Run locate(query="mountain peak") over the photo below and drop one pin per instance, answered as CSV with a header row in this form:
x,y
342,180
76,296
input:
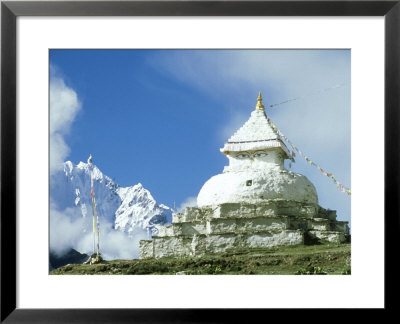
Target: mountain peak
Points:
x,y
82,165
69,168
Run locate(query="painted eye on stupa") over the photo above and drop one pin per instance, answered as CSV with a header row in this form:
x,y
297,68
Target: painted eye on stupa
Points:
x,y
260,154
242,156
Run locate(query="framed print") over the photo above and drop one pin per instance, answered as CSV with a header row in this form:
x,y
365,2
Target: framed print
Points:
x,y
150,89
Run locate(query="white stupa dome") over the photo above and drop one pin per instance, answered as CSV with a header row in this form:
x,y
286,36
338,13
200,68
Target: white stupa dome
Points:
x,y
255,186
256,170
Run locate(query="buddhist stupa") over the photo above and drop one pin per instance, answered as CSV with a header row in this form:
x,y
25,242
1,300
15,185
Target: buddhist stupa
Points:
x,y
254,202
256,171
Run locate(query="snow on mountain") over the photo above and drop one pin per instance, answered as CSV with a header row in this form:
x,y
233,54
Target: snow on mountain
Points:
x,y
139,209
128,210
70,188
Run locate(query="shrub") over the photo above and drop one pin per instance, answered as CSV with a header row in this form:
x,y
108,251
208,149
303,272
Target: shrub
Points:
x,y
311,271
217,270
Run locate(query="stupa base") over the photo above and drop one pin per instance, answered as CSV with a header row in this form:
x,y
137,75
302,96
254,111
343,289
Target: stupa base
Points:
x,y
198,231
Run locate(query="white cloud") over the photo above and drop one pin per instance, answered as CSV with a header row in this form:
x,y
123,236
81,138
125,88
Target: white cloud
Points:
x,y
68,229
113,244
64,106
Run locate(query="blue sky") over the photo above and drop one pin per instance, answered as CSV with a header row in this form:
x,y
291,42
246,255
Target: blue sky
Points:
x,y
159,117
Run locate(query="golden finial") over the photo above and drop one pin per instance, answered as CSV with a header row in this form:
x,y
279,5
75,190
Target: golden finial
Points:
x,y
259,105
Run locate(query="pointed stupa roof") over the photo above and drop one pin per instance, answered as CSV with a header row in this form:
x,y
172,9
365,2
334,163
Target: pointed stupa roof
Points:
x,y
255,134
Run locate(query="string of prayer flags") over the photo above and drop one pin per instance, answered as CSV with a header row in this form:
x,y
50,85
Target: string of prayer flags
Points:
x,y
95,214
311,94
340,186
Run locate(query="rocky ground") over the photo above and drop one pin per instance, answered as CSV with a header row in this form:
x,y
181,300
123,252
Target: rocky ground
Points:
x,y
292,260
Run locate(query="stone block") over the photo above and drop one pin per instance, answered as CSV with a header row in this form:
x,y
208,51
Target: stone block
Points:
x,y
177,217
319,224
194,214
196,245
222,226
289,208
168,246
308,211
220,242
331,215
327,213
269,209
261,224
146,249
269,238
341,226
165,230
298,223
232,210
329,236
189,229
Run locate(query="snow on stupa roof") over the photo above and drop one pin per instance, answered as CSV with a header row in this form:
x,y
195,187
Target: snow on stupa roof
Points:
x,y
255,134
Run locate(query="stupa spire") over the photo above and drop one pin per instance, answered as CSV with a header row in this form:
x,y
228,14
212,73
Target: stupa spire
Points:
x,y
259,105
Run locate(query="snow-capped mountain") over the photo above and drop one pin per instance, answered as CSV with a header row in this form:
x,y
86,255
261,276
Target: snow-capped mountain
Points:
x,y
126,210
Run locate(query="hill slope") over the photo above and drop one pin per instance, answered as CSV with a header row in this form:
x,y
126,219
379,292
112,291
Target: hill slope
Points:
x,y
70,256
315,259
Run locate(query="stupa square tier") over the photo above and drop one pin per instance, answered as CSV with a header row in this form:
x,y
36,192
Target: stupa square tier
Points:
x,y
197,231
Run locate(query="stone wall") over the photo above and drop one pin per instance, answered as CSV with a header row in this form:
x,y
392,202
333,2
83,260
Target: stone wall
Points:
x,y
197,231
146,249
198,245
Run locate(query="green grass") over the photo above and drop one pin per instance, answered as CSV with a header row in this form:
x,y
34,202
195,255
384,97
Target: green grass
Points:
x,y
292,260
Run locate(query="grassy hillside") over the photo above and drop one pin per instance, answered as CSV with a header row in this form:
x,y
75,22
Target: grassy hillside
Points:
x,y
70,256
315,259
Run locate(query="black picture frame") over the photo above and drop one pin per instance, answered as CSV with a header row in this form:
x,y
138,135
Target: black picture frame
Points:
x,y
10,10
